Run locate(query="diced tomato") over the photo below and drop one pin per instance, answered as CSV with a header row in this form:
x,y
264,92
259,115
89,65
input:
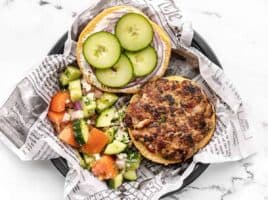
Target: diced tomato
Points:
x,y
59,101
55,117
96,142
67,136
105,168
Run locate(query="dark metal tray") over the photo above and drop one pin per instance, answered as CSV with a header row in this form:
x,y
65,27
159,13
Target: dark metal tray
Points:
x,y
199,43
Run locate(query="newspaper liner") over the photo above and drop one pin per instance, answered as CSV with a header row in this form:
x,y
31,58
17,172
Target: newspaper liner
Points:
x,y
28,133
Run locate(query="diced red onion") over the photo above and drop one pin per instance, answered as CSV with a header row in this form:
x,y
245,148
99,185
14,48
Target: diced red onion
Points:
x,y
77,105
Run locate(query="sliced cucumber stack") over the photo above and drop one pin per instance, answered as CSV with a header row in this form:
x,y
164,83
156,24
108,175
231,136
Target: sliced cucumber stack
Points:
x,y
134,31
143,61
117,76
102,50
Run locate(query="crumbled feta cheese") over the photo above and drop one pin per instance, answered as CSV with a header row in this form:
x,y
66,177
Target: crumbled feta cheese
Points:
x,y
67,101
66,117
120,164
89,121
90,95
122,136
122,156
78,114
121,160
85,85
97,156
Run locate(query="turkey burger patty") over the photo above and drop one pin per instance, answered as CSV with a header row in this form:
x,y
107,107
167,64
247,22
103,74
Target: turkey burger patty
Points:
x,y
170,119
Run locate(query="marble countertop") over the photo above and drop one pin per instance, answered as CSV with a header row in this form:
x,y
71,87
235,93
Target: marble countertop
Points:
x,y
237,32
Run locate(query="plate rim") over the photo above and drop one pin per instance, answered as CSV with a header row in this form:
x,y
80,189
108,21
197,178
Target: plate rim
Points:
x,y
197,42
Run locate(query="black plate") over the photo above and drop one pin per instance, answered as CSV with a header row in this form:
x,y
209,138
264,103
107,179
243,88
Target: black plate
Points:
x,y
199,43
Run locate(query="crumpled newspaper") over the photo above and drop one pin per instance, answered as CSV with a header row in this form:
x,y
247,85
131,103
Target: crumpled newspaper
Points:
x,y
25,129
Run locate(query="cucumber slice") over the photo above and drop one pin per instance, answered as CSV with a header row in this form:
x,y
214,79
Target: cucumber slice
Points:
x,y
110,133
116,181
106,100
134,31
143,61
117,76
105,118
71,73
130,175
102,50
80,131
88,106
115,147
75,90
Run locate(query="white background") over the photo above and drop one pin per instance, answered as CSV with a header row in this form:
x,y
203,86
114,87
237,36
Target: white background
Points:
x,y
236,30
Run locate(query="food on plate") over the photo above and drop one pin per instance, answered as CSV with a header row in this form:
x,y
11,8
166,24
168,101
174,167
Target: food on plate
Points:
x,y
134,31
102,50
143,61
120,49
170,119
119,75
167,119
88,120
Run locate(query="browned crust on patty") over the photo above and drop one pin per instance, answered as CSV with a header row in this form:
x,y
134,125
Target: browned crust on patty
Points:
x,y
170,119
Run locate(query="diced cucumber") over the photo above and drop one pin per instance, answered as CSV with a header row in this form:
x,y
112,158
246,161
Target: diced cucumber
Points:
x,y
75,90
130,175
106,100
143,61
133,160
89,160
88,106
81,131
117,76
115,147
110,133
82,162
116,181
106,117
134,31
64,79
71,73
102,50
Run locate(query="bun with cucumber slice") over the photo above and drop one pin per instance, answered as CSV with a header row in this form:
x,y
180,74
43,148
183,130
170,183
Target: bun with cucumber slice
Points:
x,y
121,49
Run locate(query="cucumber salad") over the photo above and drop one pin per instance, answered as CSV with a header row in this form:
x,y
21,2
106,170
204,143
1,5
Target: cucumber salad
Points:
x,y
119,58
86,119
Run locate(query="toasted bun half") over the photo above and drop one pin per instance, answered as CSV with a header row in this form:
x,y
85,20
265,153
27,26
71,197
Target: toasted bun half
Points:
x,y
106,20
190,150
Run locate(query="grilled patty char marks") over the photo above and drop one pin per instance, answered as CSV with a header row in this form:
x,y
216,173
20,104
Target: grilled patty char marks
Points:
x,y
169,117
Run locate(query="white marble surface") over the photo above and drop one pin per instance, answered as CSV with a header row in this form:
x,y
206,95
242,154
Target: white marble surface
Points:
x,y
236,30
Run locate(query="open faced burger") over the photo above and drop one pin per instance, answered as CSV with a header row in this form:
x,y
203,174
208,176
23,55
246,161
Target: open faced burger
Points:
x,y
170,119
121,49
167,119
